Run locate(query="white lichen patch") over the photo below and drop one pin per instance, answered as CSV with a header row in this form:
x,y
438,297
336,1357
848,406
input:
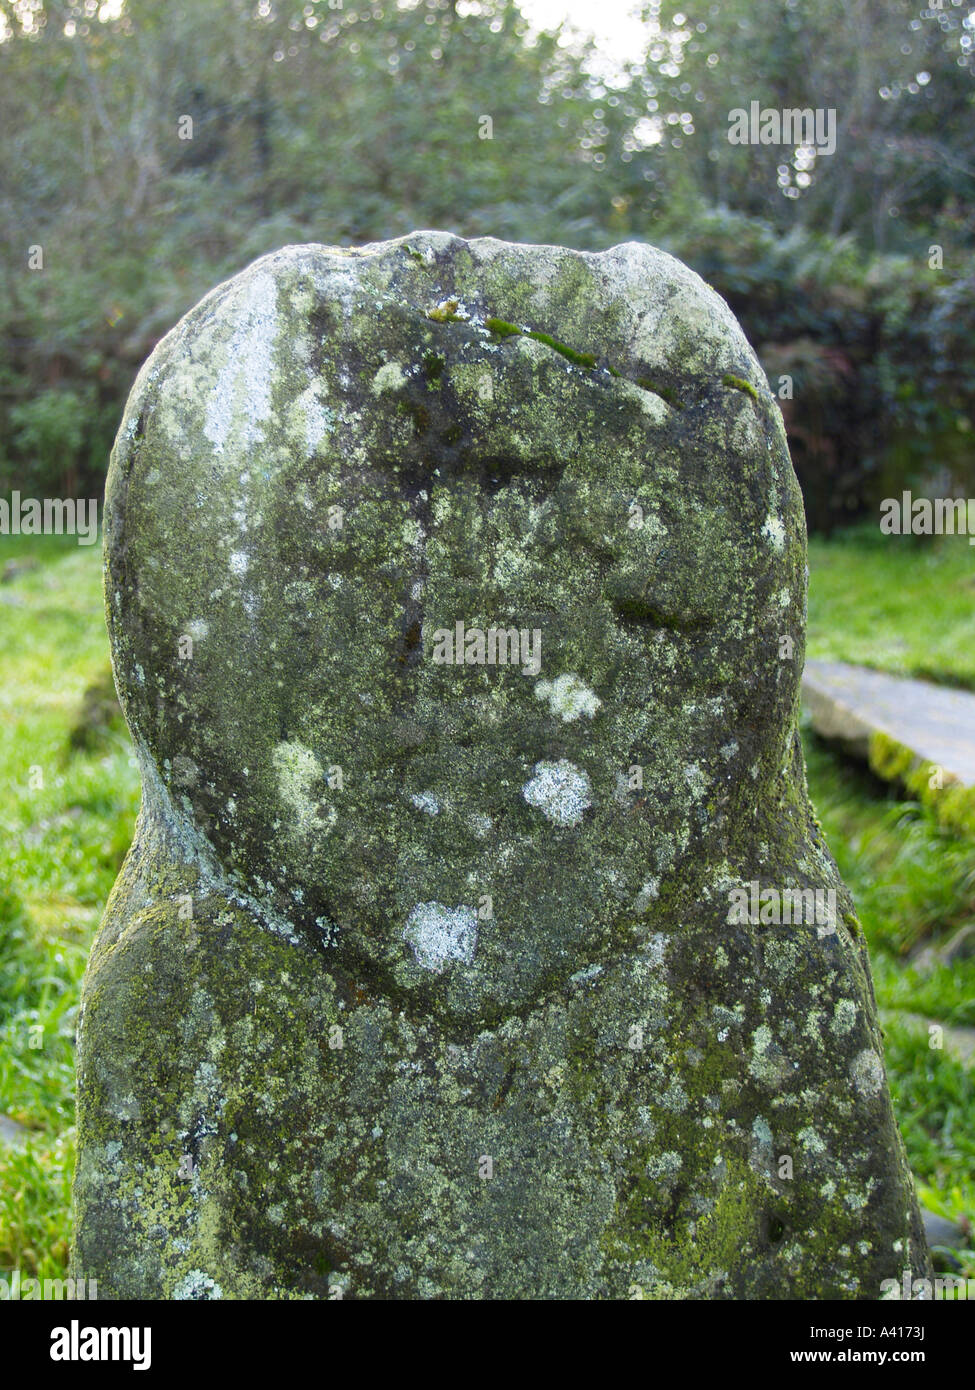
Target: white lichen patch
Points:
x,y
568,697
697,783
561,791
867,1073
762,1133
311,420
665,1165
440,934
480,824
300,777
844,1017
582,977
762,1066
240,400
811,1141
674,1098
856,1201
238,562
426,801
648,891
390,377
813,1028
774,531
197,1285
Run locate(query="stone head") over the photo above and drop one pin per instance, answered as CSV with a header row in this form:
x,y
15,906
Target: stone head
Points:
x,y
456,592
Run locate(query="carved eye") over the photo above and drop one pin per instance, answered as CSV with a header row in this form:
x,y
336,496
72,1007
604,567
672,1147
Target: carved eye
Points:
x,y
640,612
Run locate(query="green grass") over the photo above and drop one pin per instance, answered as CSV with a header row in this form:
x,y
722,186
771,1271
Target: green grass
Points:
x,y
896,603
883,602
66,819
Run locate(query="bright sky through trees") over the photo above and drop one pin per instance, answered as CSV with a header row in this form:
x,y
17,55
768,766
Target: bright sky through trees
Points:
x,y
620,34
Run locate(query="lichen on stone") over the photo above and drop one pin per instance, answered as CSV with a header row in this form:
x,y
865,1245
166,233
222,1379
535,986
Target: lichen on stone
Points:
x,y
561,791
440,934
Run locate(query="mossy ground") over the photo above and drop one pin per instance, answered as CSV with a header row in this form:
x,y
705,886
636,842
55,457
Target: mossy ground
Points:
x,y
63,845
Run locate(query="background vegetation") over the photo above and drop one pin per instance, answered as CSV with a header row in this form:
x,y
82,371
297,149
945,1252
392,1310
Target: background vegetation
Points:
x,y
345,121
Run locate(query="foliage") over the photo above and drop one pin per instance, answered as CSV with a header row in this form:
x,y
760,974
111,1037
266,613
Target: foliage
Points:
x,y
151,150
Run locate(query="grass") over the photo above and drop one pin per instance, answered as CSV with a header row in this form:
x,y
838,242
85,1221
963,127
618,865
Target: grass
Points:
x,y
71,792
66,818
897,603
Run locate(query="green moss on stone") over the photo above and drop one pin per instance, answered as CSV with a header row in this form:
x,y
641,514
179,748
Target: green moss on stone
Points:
x,y
433,366
951,804
501,329
446,312
738,383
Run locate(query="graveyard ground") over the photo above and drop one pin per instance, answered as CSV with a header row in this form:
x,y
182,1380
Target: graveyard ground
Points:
x,y
71,791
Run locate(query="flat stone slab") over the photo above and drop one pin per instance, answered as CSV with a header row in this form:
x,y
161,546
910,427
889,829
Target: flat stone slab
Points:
x,y
11,1132
850,703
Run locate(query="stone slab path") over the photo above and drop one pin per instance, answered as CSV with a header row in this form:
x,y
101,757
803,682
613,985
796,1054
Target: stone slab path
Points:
x,y
10,1131
849,703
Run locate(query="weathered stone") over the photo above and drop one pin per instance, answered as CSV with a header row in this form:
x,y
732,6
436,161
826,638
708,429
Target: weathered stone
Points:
x,y
419,979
